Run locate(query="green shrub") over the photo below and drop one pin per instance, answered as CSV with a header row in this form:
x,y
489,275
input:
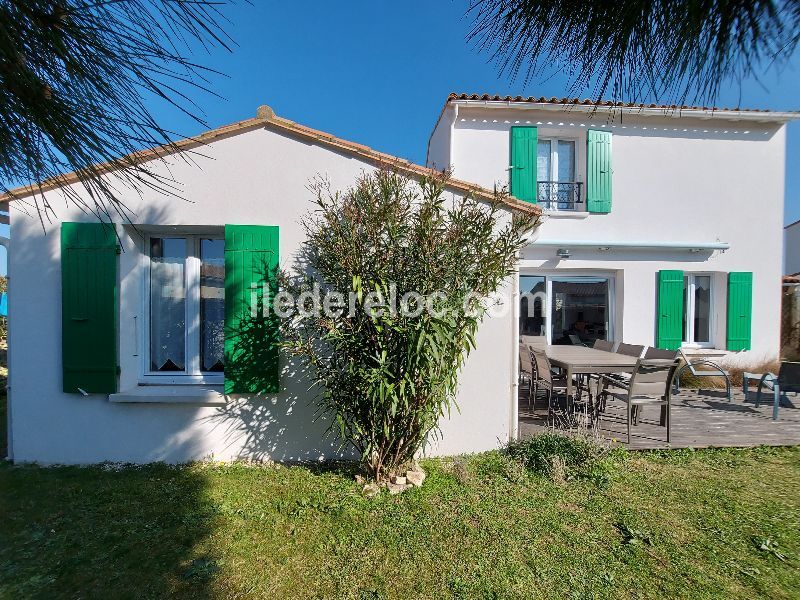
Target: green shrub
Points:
x,y
388,376
559,456
497,464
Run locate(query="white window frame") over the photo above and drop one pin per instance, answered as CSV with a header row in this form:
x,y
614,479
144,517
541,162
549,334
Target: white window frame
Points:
x,y
689,307
554,157
547,308
193,374
553,176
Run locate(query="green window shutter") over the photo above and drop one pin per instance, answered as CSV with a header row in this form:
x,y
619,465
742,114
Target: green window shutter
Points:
x,y
251,351
524,141
89,307
598,171
670,309
740,309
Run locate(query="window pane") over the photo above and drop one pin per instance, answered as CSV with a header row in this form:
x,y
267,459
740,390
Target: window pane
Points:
x,y
566,160
579,310
531,308
543,161
212,305
702,308
544,193
168,304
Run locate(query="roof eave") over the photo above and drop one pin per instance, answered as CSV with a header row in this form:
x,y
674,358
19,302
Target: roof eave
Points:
x,y
266,118
646,111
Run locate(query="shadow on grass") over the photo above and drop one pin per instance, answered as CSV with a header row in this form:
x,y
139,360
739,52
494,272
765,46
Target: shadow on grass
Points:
x,y
105,532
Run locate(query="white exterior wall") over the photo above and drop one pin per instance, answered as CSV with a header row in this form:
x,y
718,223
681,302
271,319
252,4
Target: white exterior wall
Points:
x,y
674,180
791,249
258,177
439,144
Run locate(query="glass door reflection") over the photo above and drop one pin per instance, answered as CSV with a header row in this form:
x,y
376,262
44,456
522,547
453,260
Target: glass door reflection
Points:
x,y
578,310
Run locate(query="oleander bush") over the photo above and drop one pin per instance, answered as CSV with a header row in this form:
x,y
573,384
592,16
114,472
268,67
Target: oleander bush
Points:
x,y
385,374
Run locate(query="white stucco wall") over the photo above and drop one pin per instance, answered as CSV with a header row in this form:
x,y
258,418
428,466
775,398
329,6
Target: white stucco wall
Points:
x,y
674,180
258,177
438,155
791,249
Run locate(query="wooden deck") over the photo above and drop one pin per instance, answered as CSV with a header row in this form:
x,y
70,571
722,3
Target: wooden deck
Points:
x,y
699,420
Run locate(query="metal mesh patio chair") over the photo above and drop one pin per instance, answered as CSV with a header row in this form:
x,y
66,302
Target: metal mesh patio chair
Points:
x,y
659,353
594,379
630,349
537,342
603,345
627,350
650,384
527,374
702,367
546,380
787,380
618,382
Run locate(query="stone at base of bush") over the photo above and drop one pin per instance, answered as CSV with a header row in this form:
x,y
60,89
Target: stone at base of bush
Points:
x,y
396,488
371,490
398,479
415,477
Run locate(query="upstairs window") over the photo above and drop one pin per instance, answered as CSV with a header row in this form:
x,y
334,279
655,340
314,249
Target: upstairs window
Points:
x,y
556,174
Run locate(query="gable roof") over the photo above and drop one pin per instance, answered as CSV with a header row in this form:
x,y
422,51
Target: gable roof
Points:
x,y
266,118
587,105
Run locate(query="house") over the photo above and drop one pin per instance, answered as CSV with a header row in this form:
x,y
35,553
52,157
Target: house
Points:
x,y
661,222
791,249
649,238
117,340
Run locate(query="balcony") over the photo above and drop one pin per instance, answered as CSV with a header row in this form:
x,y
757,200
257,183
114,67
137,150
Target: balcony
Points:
x,y
560,195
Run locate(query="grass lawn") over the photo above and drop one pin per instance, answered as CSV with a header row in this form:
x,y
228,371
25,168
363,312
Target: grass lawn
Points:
x,y
714,523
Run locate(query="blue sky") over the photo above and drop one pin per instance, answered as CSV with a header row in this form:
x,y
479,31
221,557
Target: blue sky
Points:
x,y
378,73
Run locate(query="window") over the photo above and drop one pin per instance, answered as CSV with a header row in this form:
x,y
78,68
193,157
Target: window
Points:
x,y
555,174
571,310
186,309
697,310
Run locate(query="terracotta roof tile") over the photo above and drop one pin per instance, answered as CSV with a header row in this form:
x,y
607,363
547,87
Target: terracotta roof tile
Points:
x,y
268,119
402,165
588,102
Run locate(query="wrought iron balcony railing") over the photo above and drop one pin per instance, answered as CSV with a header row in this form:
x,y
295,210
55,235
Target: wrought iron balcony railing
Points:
x,y
559,195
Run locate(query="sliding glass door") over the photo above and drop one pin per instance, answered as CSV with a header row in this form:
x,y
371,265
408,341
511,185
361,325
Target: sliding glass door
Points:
x,y
573,310
579,310
533,296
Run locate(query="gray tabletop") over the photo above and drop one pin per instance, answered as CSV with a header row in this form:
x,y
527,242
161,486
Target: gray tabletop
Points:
x,y
579,359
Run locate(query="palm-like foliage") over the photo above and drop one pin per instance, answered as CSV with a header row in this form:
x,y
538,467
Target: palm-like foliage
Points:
x,y
680,49
75,80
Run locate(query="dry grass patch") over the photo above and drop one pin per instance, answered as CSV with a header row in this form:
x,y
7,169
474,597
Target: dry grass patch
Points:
x,y
736,375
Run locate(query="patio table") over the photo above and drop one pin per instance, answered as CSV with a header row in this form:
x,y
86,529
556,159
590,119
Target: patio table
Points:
x,y
586,361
